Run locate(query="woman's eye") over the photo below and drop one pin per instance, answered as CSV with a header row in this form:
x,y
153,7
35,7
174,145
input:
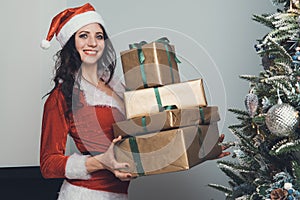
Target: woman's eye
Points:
x,y
100,37
83,36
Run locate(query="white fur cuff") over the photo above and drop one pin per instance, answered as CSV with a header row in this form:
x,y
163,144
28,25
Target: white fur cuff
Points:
x,y
75,168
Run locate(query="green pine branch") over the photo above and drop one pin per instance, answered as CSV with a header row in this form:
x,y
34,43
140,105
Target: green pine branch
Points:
x,y
276,34
285,147
272,79
295,100
284,65
232,183
221,188
236,126
250,78
290,28
243,118
238,112
285,2
233,174
283,37
233,165
285,87
245,141
283,19
263,20
296,173
281,50
258,158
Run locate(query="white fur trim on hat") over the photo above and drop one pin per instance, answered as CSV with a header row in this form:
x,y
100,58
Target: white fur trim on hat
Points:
x,y
75,168
76,23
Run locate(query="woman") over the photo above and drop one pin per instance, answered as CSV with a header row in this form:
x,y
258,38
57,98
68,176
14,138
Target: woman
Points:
x,y
84,103
84,71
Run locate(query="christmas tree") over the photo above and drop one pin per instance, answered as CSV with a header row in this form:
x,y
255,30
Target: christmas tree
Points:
x,y
266,155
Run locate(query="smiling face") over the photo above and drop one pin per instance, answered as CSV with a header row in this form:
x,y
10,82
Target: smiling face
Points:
x,y
89,42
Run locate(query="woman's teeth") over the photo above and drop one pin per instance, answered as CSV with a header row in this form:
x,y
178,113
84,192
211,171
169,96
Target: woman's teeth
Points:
x,y
90,52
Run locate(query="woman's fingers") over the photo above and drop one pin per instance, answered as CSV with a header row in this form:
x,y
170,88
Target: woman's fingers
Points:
x,y
223,154
221,138
123,176
223,147
117,139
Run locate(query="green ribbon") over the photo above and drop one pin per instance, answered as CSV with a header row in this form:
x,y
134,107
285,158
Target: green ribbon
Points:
x,y
170,107
136,156
159,103
144,124
202,115
158,99
199,132
166,42
141,57
144,121
139,47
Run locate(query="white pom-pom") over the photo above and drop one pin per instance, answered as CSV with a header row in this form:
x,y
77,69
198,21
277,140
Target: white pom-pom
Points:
x,y
45,44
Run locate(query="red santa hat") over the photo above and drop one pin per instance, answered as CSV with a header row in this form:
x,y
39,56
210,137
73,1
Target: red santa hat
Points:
x,y
67,22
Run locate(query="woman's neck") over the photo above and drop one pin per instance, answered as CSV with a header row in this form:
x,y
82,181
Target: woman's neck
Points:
x,y
89,73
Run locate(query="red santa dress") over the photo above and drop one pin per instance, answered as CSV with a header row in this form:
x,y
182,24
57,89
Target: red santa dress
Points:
x,y
91,130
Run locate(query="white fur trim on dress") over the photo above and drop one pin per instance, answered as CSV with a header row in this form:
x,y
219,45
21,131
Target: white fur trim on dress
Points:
x,y
117,85
75,167
73,192
94,96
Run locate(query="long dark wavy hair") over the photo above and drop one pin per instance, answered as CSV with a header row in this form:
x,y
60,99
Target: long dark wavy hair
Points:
x,y
67,66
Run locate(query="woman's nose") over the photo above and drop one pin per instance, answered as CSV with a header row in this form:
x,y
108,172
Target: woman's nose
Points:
x,y
92,42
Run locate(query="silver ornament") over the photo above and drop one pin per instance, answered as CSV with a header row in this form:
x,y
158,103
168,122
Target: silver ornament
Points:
x,y
251,103
282,119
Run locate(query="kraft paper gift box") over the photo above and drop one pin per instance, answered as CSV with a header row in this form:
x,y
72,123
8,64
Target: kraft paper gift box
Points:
x,y
147,101
169,151
148,65
165,120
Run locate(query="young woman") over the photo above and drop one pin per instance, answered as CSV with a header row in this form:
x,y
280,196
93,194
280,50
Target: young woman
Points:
x,y
84,103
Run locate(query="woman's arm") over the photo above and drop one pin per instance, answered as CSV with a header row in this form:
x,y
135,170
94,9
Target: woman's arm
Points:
x,y
53,139
55,128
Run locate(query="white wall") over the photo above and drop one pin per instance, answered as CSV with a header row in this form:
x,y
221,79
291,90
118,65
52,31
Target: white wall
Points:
x,y
214,39
22,75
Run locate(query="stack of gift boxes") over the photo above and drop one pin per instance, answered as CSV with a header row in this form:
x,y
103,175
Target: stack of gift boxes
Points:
x,y
169,126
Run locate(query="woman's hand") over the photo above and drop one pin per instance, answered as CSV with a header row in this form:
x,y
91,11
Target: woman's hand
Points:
x,y
224,147
108,161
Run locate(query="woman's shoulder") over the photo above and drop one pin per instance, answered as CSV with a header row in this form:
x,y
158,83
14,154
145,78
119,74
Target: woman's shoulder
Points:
x,y
54,98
